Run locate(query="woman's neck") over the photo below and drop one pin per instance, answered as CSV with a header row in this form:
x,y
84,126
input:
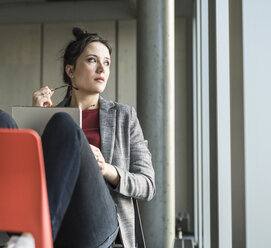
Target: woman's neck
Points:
x,y
87,102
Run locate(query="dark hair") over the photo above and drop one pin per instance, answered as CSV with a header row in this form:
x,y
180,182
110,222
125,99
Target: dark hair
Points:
x,y
76,47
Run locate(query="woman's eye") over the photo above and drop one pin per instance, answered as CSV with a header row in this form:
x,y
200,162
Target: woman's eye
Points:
x,y
107,63
91,60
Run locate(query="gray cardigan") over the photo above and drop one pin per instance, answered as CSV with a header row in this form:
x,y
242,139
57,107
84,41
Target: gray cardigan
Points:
x,y
123,145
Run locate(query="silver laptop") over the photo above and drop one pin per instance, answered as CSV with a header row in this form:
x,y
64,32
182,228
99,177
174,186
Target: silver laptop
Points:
x,y
36,118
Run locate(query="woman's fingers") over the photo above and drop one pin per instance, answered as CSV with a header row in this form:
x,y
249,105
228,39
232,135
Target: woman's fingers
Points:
x,y
98,156
42,97
97,153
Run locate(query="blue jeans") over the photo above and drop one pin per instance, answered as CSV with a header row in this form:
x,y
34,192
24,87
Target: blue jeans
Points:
x,y
83,213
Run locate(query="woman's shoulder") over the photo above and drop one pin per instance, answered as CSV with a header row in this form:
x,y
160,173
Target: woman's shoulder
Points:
x,y
124,107
121,107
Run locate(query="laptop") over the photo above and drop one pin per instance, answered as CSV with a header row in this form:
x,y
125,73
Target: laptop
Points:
x,y
36,118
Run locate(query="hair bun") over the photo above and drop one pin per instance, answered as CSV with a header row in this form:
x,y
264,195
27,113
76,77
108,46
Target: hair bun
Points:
x,y
79,33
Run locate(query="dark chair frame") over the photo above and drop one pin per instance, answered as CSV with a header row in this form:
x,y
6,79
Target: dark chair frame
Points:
x,y
140,240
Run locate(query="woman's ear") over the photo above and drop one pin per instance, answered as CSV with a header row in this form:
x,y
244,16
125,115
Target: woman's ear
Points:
x,y
69,70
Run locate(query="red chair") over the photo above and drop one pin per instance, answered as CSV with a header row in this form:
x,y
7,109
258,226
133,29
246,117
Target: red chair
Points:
x,y
24,202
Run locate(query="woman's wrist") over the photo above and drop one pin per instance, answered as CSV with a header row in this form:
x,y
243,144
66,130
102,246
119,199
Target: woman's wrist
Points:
x,y
112,175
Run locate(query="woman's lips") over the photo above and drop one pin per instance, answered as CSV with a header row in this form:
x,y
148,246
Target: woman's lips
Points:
x,y
100,79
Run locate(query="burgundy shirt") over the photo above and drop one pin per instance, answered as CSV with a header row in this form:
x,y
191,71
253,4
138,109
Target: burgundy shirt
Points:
x,y
91,126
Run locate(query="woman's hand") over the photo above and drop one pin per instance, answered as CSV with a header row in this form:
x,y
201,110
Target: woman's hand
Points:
x,y
109,171
42,97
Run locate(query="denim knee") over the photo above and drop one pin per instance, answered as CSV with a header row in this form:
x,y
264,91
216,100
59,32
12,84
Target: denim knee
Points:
x,y
6,121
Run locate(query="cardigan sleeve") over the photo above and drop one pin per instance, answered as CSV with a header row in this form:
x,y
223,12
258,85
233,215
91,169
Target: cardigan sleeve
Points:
x,y
139,181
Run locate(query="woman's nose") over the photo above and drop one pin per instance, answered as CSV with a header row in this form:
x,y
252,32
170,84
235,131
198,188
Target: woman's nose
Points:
x,y
100,67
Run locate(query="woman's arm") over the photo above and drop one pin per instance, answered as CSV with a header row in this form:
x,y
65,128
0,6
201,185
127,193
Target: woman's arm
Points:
x,y
139,181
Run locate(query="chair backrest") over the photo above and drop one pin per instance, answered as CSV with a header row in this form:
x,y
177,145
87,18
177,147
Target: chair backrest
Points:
x,y
23,192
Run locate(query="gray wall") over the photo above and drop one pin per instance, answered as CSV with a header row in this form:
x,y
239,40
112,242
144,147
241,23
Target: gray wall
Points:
x,y
20,47
257,120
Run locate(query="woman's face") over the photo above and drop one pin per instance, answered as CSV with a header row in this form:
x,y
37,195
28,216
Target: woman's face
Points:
x,y
92,69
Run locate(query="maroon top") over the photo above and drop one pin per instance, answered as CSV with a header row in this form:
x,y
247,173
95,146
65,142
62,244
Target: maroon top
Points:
x,y
91,126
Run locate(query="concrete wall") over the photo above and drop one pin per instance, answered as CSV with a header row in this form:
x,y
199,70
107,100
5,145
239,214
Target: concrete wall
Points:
x,y
257,120
20,47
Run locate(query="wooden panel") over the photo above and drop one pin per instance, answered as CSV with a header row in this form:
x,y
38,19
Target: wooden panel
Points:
x,y
56,37
19,64
127,62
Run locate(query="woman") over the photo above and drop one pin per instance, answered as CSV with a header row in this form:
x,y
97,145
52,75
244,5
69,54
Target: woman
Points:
x,y
112,129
